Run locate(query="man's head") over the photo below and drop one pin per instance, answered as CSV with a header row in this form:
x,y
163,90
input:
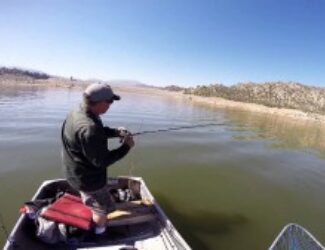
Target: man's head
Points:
x,y
98,97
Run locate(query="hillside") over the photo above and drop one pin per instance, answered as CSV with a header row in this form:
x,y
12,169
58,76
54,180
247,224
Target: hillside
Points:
x,y
272,94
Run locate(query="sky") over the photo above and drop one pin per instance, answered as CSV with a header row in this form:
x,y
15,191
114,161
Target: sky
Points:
x,y
164,42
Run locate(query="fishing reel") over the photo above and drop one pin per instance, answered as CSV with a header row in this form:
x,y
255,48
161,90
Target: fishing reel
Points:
x,y
123,132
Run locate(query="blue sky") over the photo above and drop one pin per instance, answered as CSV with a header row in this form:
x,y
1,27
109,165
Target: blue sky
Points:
x,y
164,42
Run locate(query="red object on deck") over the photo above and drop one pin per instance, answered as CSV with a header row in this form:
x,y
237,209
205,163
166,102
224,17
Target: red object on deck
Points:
x,y
69,210
23,210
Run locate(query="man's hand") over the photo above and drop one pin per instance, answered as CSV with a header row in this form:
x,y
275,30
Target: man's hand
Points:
x,y
126,136
128,139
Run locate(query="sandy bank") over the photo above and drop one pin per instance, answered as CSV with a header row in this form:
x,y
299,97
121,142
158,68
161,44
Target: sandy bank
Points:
x,y
257,108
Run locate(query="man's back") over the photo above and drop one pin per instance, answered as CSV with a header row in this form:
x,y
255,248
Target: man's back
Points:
x,y
78,168
85,153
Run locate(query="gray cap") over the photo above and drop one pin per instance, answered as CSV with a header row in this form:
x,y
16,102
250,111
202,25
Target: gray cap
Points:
x,y
97,92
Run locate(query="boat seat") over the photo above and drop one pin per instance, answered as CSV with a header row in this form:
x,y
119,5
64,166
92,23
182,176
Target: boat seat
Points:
x,y
133,204
131,220
128,213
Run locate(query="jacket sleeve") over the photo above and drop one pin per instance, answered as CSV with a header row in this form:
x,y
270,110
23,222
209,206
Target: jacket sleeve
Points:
x,y
94,147
111,132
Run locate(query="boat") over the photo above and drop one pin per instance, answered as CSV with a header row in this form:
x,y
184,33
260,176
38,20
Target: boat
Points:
x,y
295,237
142,225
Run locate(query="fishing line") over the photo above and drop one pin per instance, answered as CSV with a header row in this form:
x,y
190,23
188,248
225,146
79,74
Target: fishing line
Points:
x,y
9,238
3,226
5,232
132,162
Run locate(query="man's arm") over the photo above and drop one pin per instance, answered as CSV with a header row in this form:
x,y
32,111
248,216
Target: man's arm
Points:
x,y
111,132
94,147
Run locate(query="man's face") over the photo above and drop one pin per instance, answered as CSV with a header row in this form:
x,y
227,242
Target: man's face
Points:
x,y
103,106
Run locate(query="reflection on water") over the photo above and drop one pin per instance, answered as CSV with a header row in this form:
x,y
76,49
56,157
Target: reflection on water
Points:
x,y
17,91
288,133
224,187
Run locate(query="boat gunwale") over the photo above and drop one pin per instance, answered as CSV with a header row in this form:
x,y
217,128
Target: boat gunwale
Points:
x,y
284,230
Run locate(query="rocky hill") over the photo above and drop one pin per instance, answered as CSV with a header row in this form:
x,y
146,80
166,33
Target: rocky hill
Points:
x,y
272,94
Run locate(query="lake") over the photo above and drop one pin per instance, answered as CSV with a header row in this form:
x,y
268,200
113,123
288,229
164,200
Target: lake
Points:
x,y
231,186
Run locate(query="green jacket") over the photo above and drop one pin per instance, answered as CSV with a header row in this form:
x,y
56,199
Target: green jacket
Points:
x,y
85,154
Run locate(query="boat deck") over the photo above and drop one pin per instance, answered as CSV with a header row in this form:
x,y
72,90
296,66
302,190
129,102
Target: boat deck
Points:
x,y
126,235
145,226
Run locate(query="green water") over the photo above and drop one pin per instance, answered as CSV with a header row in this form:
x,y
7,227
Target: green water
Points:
x,y
226,187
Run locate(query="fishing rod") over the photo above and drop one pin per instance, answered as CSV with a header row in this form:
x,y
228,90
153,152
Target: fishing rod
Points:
x,y
176,128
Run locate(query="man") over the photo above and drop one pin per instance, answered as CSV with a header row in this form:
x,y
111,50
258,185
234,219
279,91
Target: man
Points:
x,y
85,154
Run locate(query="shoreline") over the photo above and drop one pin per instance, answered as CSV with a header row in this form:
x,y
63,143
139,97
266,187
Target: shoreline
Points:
x,y
214,102
292,114
220,103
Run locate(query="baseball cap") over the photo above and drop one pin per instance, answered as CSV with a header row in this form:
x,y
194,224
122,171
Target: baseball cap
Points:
x,y
97,92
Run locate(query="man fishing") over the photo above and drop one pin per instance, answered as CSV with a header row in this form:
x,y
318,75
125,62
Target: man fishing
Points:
x,y
85,154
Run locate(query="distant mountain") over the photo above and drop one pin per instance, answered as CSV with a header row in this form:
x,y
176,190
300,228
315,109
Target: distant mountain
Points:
x,y
17,72
17,76
126,83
